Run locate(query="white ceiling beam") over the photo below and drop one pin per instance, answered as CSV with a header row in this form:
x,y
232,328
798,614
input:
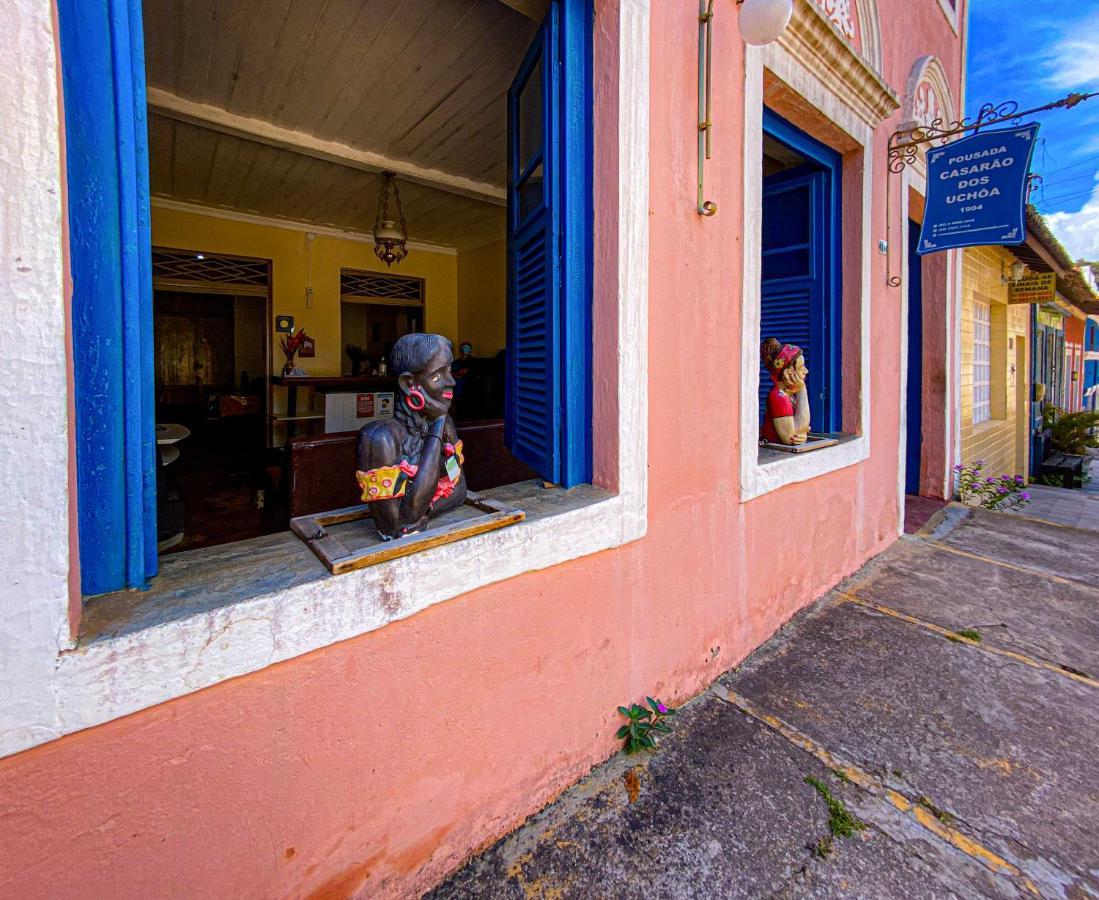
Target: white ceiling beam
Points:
x,y
180,109
535,10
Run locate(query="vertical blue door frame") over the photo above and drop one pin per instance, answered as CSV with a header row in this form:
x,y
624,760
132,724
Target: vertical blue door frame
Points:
x,y
107,169
914,392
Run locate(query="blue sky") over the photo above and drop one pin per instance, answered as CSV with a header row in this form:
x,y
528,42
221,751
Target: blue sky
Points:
x,y
1035,52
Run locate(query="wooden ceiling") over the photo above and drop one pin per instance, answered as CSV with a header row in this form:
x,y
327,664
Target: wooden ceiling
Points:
x,y
418,84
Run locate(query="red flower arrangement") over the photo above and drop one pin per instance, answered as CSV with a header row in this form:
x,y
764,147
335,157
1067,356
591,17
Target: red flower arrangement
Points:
x,y
291,344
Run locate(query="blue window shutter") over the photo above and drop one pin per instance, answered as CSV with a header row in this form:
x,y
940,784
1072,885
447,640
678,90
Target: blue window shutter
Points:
x,y
800,267
792,289
103,69
548,411
533,421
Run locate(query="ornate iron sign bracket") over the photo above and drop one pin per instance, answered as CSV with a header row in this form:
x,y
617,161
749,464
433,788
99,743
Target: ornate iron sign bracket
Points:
x,y
904,145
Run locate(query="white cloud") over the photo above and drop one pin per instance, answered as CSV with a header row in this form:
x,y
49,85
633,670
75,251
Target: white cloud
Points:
x,y
1079,231
1070,63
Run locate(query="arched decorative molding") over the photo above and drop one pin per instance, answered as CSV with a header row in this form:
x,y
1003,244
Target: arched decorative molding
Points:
x,y
927,95
857,23
840,14
870,31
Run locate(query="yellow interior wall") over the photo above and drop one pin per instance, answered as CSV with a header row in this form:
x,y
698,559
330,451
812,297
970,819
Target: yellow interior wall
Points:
x,y
482,291
1000,442
286,248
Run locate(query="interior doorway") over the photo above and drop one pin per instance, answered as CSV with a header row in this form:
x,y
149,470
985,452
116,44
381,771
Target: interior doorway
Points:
x,y
211,355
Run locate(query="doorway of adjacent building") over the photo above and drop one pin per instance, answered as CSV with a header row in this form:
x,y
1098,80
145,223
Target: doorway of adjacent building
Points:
x,y
914,393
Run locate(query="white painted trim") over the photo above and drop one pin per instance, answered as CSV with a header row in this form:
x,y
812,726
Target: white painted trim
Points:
x,y
58,688
172,106
757,478
232,215
950,13
870,33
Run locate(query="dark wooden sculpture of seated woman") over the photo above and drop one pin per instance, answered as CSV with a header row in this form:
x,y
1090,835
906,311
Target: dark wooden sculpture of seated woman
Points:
x,y
786,418
410,466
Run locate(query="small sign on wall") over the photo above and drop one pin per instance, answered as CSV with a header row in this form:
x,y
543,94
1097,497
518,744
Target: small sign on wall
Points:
x,y
1034,287
308,347
349,412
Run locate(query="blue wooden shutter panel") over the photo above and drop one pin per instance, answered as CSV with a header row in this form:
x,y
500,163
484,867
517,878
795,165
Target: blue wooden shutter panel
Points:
x,y
103,71
548,409
800,267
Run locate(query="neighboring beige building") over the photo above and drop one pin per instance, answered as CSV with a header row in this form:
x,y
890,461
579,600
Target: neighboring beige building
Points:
x,y
994,366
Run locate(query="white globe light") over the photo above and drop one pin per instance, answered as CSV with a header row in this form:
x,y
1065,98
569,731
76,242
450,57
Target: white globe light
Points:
x,y
763,21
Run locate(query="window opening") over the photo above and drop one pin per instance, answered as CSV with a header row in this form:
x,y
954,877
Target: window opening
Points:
x,y
982,362
247,218
800,267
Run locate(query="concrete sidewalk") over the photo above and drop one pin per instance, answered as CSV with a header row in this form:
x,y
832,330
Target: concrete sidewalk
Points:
x,y
969,764
1078,508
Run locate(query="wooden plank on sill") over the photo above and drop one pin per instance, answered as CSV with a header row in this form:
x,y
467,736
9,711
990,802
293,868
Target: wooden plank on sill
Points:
x,y
338,559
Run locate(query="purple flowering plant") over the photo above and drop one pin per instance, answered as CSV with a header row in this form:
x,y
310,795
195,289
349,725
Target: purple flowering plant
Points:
x,y
974,488
645,725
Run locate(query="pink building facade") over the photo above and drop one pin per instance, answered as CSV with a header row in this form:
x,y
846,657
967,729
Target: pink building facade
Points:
x,y
363,734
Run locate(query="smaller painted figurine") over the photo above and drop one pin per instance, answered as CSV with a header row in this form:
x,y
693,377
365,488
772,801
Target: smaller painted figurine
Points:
x,y
410,466
786,419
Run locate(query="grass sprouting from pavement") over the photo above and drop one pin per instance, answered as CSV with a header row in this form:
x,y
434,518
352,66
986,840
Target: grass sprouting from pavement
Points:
x,y
841,821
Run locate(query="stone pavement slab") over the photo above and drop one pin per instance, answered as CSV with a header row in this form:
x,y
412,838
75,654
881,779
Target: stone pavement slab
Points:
x,y
1039,546
1053,621
1006,750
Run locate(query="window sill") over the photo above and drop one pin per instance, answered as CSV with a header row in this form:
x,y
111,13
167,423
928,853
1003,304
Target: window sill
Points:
x,y
988,425
222,612
201,582
775,469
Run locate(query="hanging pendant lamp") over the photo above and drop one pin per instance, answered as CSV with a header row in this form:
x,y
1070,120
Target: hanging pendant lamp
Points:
x,y
390,234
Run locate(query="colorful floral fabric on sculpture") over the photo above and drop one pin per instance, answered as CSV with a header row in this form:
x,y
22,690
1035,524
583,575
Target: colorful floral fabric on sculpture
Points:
x,y
390,482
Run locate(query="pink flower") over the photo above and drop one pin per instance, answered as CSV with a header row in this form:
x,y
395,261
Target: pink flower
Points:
x,y
661,708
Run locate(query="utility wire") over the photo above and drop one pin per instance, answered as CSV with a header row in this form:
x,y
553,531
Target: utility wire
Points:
x,y
1063,197
1047,182
1081,162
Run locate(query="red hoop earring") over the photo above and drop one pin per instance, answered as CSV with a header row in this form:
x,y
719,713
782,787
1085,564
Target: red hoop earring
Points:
x,y
415,392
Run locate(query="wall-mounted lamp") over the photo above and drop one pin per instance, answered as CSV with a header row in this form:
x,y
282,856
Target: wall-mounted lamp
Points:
x,y
763,21
1013,274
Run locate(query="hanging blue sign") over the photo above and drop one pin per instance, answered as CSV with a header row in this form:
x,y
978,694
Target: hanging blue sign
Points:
x,y
976,190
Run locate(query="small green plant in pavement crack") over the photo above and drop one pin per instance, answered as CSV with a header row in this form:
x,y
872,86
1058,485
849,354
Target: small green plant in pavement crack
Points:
x,y
841,821
970,633
941,814
645,725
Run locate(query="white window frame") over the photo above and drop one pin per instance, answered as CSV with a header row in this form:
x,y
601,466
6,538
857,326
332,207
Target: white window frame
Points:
x,y
982,362
758,478
56,687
